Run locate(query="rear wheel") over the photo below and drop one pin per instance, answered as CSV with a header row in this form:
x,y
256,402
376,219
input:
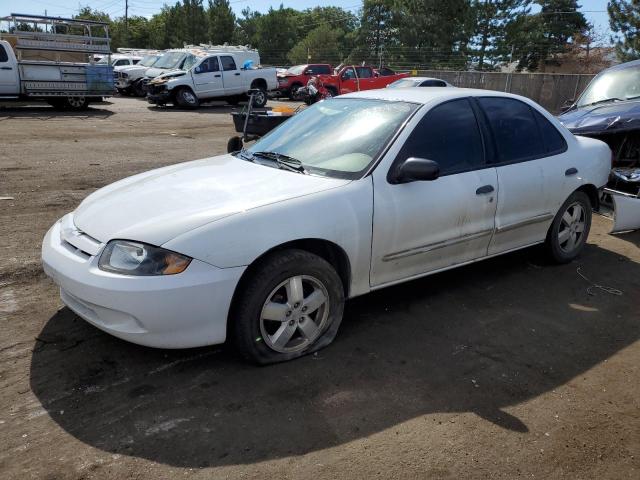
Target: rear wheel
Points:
x,y
570,228
260,98
293,91
292,305
77,103
186,98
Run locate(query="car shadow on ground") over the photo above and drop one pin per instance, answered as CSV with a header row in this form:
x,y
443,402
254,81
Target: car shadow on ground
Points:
x,y
477,339
47,113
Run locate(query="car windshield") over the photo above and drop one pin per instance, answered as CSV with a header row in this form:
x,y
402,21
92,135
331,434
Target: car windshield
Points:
x,y
170,60
104,60
615,85
148,60
297,70
404,83
189,62
338,137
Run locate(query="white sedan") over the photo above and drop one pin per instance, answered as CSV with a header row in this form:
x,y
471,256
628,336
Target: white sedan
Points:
x,y
351,195
408,82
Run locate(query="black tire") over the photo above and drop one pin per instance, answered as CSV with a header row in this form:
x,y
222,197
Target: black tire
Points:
x,y
76,104
139,89
260,98
234,144
565,251
332,92
186,98
246,327
294,90
123,91
57,103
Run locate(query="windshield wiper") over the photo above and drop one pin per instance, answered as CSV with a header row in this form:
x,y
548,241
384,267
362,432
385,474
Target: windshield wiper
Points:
x,y
604,100
283,161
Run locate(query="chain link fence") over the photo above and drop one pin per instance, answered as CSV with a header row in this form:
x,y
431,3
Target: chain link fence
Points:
x,y
551,90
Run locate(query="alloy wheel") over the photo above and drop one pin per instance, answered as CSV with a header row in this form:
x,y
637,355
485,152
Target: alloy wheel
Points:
x,y
572,227
295,314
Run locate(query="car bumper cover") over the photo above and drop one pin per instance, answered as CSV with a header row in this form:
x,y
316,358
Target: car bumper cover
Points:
x,y
174,311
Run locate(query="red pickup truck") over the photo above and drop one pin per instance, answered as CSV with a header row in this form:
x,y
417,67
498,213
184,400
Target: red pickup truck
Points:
x,y
352,78
298,76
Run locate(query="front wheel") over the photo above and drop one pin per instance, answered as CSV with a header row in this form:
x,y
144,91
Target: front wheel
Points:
x,y
291,305
186,98
140,89
570,228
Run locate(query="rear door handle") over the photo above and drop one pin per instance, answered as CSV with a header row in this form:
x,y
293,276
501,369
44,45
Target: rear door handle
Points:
x,y
217,76
237,74
6,68
571,171
484,190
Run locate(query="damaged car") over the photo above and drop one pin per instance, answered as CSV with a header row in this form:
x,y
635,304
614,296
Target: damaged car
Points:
x,y
609,110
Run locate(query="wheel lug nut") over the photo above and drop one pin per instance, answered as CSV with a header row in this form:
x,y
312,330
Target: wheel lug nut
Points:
x,y
291,322
296,305
288,313
304,309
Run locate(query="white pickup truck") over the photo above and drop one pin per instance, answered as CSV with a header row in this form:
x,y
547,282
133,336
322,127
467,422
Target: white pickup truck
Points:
x,y
52,61
213,76
129,79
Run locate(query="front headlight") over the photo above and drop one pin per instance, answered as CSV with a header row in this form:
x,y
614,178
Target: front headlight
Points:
x,y
136,258
124,75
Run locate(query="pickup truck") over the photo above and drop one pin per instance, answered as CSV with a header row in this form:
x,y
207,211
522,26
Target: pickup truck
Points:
x,y
352,78
47,65
129,79
213,76
297,76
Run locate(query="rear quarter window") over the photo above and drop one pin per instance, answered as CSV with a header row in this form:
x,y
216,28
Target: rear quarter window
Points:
x,y
322,69
552,138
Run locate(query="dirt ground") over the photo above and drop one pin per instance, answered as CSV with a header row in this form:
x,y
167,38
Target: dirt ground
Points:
x,y
508,368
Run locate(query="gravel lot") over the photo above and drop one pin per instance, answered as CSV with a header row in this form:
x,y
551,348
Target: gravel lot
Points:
x,y
505,369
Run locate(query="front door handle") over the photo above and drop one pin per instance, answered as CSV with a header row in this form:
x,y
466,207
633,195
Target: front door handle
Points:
x,y
217,76
237,74
6,68
570,171
484,190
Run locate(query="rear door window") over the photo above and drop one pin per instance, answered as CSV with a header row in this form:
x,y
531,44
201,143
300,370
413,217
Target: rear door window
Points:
x,y
228,63
449,135
552,138
3,55
514,128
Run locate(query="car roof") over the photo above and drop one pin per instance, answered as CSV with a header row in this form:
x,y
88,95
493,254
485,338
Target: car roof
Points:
x,y
422,79
623,66
429,95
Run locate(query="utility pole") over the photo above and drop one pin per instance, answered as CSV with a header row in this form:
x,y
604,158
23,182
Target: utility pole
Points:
x,y
126,22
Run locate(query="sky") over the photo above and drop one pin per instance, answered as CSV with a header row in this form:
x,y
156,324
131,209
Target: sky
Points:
x,y
594,10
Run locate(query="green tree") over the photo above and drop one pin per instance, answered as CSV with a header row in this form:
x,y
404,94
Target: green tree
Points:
x,y
540,38
321,45
276,34
624,20
491,22
376,30
222,22
194,22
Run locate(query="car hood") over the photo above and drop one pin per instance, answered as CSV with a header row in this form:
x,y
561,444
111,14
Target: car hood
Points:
x,y
156,206
604,118
153,72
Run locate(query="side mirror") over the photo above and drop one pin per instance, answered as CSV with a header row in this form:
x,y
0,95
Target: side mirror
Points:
x,y
416,169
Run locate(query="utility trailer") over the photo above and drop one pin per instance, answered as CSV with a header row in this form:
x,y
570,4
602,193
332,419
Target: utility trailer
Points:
x,y
52,59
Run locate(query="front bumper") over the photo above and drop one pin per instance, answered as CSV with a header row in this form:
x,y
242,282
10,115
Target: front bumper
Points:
x,y
161,98
175,311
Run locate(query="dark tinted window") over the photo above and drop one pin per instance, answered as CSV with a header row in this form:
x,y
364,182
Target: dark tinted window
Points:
x,y
449,135
514,128
210,65
228,63
321,69
364,72
433,83
552,138
3,54
136,61
121,62
385,72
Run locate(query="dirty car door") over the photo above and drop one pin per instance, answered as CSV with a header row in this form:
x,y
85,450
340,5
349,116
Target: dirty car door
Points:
x,y
535,175
207,78
425,226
